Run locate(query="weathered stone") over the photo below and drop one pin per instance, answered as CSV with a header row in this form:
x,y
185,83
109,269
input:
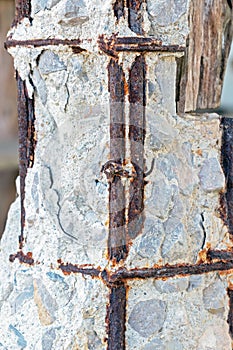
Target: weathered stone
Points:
x,y
46,305
24,296
155,344
195,282
215,337
162,191
50,62
211,175
51,3
161,132
22,343
55,277
147,317
175,242
174,345
166,12
75,12
214,298
150,242
40,85
179,166
172,286
165,76
48,339
39,5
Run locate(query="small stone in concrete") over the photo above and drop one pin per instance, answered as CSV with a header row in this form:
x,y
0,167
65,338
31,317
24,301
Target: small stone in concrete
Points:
x,y
174,345
39,5
175,239
214,298
155,344
161,132
40,86
165,12
211,176
46,305
151,240
75,12
147,317
161,198
55,277
195,282
50,62
175,285
51,3
48,339
20,341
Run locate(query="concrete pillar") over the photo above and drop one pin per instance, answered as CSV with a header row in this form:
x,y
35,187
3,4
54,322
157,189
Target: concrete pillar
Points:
x,y
121,237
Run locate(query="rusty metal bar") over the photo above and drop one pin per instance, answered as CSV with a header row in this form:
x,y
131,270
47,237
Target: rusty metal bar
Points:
x,y
137,99
117,247
220,254
230,314
113,45
41,42
68,268
116,317
170,271
27,142
226,198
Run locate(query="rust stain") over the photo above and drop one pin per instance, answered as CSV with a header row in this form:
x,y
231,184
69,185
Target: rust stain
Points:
x,y
78,49
169,271
203,256
116,317
27,142
23,258
226,255
42,42
137,99
107,45
117,247
113,45
68,268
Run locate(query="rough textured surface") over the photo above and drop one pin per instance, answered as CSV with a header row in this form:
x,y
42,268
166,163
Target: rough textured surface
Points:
x,y
187,318
168,169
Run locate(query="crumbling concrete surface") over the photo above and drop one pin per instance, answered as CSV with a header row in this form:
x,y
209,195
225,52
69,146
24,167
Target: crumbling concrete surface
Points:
x,y
121,237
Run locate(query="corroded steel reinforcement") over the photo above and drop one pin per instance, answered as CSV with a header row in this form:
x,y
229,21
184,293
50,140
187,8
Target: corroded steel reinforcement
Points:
x,y
27,142
116,317
117,248
41,42
137,127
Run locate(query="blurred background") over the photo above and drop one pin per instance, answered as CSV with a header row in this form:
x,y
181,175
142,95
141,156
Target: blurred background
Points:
x,y
8,117
8,113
